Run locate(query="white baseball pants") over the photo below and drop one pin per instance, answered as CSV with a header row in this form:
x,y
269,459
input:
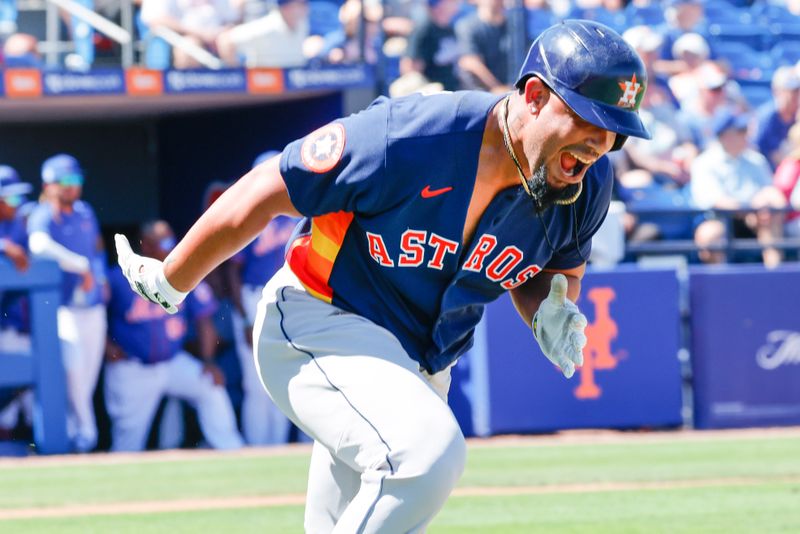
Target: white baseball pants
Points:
x,y
13,341
262,422
133,391
82,332
388,450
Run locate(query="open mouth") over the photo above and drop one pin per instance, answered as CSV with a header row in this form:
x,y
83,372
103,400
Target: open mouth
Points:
x,y
573,164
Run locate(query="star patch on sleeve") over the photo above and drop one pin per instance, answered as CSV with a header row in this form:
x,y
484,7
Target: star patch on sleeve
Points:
x,y
323,148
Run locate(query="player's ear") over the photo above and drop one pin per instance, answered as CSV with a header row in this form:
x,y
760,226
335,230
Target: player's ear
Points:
x,y
536,94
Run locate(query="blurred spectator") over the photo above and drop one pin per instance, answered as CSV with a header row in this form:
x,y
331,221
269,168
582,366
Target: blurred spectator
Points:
x,y
681,17
14,327
651,173
432,47
64,228
713,91
144,360
786,180
730,175
274,40
774,118
484,41
199,21
20,50
262,422
349,51
693,52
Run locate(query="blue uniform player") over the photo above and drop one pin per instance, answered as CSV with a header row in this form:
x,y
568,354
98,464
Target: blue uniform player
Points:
x,y
262,422
64,228
14,325
146,360
419,211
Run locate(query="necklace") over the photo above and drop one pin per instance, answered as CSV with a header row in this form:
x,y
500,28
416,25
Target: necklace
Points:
x,y
510,150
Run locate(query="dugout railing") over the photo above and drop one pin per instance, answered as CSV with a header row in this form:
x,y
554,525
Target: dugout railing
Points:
x,y
41,368
730,245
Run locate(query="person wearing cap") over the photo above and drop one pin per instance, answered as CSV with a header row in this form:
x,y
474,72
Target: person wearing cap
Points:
x,y
712,91
418,211
432,49
64,228
274,40
145,359
653,172
729,175
681,17
13,239
14,324
774,118
248,271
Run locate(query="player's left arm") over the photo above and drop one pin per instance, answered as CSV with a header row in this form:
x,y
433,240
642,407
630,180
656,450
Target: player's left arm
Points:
x,y
547,304
226,227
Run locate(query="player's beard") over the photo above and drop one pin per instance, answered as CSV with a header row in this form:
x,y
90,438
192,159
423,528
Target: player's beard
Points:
x,y
542,194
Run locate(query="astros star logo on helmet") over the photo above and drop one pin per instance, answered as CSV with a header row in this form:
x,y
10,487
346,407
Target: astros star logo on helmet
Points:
x,y
630,90
323,149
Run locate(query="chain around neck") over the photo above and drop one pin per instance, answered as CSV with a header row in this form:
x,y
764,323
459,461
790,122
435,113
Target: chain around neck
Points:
x,y
513,155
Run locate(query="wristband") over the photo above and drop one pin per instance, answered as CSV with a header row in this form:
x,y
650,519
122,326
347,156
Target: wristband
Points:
x,y
169,293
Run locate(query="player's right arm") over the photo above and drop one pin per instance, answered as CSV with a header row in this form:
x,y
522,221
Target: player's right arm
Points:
x,y
227,226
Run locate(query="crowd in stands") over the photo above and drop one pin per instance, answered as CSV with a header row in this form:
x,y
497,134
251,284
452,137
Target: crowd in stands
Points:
x,y
722,105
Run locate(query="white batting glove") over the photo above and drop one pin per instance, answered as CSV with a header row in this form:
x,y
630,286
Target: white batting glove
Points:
x,y
146,276
559,326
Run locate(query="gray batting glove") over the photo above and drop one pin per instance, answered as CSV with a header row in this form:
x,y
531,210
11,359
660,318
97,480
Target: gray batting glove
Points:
x,y
559,327
146,276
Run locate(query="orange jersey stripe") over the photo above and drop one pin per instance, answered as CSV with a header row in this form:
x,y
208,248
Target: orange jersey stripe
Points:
x,y
312,257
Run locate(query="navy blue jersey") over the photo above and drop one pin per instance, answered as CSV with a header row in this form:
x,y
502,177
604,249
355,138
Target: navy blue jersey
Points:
x,y
144,330
385,193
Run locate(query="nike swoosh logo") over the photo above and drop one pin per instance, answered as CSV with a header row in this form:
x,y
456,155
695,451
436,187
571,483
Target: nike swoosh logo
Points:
x,y
430,193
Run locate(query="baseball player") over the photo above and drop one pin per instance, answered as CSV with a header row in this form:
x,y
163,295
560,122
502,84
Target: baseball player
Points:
x,y
64,228
262,422
419,211
145,360
14,327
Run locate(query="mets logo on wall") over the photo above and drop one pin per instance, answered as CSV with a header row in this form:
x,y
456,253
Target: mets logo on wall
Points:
x,y
597,354
630,90
323,148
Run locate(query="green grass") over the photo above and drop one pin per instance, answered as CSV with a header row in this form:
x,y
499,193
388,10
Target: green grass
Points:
x,y
767,503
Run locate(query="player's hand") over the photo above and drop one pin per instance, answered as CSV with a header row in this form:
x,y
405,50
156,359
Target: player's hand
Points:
x,y
559,327
146,276
215,373
87,281
17,255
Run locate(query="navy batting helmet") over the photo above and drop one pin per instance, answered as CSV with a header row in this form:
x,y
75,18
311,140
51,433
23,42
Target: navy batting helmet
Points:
x,y
594,71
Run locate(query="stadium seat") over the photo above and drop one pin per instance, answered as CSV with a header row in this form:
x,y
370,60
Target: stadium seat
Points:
x,y
786,53
743,61
756,92
784,31
748,34
538,20
721,12
616,20
767,13
649,15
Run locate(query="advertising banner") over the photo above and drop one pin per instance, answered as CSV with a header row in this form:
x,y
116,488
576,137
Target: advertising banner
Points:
x,y
96,82
631,374
745,346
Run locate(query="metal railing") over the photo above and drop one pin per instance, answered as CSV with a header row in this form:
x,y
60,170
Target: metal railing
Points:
x,y
730,244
